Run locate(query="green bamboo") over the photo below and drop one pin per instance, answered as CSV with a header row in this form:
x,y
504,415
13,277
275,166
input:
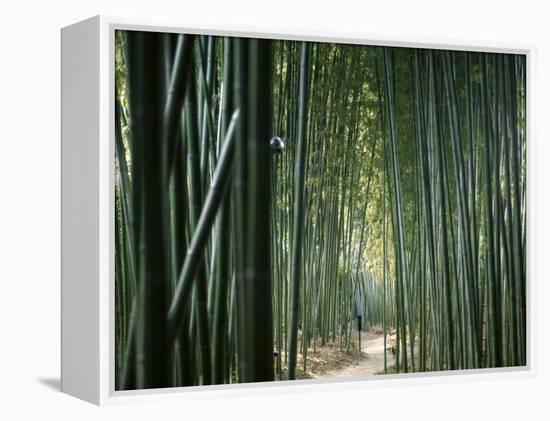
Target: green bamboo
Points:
x,y
299,180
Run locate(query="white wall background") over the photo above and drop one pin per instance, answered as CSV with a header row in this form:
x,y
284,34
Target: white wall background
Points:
x,y
30,211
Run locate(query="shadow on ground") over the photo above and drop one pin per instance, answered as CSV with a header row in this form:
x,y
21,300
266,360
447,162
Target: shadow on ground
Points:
x,y
53,383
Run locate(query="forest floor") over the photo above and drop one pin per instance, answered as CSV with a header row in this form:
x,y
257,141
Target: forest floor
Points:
x,y
369,361
331,361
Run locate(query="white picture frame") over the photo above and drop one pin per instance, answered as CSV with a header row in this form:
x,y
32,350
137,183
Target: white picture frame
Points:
x,y
87,334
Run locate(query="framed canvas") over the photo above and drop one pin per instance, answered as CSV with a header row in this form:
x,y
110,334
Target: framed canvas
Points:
x,y
249,210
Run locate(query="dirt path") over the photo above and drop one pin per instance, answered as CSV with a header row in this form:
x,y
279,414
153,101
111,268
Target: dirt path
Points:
x,y
372,360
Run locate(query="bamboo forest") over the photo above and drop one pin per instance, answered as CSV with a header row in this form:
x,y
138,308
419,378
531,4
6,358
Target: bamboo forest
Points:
x,y
294,210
